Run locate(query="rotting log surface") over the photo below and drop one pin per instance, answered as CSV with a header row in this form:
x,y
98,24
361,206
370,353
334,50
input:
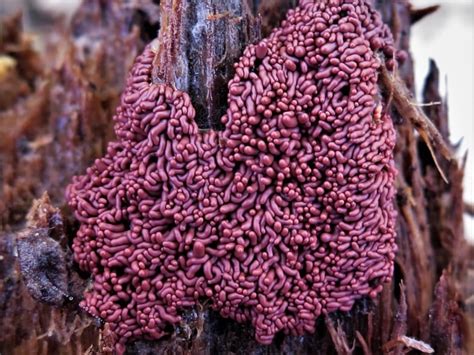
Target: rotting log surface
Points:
x,y
55,118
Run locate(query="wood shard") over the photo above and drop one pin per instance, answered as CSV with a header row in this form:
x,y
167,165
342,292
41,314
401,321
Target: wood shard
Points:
x,y
418,14
427,130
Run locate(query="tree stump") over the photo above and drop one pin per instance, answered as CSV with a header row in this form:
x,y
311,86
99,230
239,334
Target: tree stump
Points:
x,y
55,119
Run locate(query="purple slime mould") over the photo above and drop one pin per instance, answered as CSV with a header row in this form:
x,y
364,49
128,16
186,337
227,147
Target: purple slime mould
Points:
x,y
285,214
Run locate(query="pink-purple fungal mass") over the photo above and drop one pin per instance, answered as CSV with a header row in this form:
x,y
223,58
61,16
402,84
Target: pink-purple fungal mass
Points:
x,y
285,214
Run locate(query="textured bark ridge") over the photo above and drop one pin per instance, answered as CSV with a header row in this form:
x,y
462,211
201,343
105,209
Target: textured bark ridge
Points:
x,y
197,47
56,119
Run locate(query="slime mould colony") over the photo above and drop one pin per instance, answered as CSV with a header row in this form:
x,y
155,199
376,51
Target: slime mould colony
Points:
x,y
285,214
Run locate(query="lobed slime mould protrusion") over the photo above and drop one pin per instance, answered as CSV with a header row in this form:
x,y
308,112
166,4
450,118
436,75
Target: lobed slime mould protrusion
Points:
x,y
285,214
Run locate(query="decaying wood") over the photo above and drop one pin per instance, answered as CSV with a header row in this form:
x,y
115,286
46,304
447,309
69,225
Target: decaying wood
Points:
x,y
52,129
57,120
403,101
469,208
418,14
198,42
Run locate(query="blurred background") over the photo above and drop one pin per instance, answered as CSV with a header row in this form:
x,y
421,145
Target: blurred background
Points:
x,y
446,36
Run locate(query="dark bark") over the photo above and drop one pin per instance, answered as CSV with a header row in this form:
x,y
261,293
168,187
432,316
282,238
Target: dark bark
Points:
x,y
198,45
57,120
